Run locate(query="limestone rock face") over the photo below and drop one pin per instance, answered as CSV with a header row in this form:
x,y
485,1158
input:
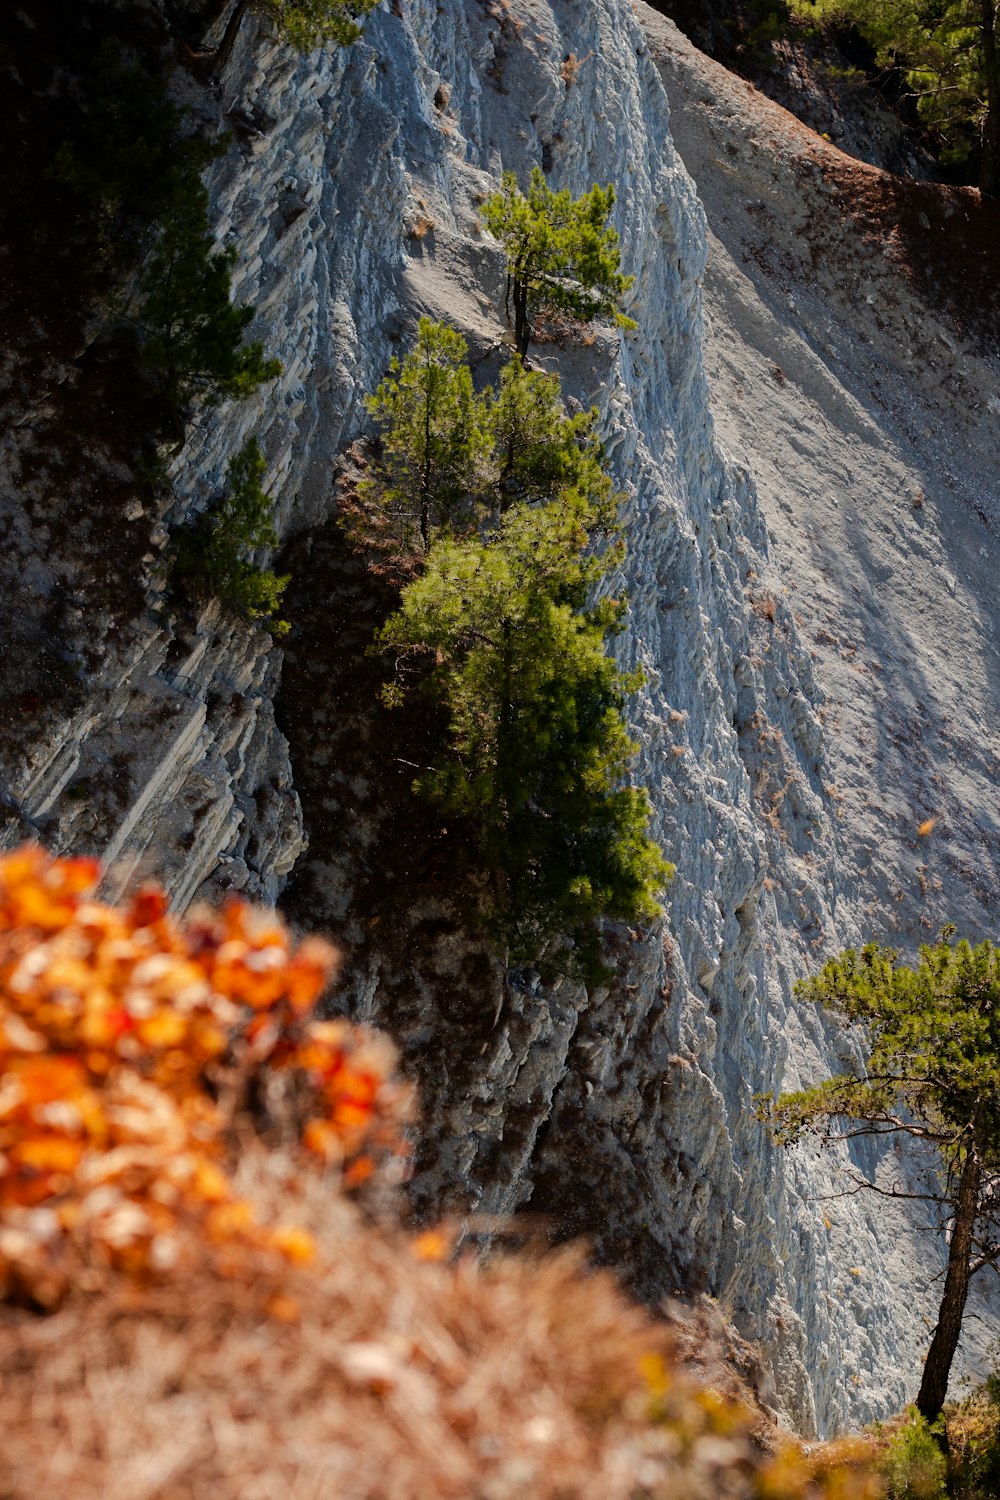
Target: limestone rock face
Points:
x,y
351,193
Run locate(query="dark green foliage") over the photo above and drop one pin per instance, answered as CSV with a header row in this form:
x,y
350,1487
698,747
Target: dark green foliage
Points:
x,y
944,53
562,254
449,458
933,1073
127,142
217,557
537,747
427,470
934,1034
537,743
132,162
306,24
192,334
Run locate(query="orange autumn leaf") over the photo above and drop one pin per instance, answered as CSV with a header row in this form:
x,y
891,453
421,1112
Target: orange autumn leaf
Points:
x,y
118,1026
433,1244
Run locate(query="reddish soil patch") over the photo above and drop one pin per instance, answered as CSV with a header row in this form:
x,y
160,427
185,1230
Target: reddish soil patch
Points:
x,y
943,239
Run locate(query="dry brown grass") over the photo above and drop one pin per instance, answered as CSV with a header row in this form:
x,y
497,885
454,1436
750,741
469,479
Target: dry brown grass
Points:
x,y
376,1375
395,1377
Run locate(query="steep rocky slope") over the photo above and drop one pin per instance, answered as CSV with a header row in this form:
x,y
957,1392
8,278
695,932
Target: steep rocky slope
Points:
x,y
812,613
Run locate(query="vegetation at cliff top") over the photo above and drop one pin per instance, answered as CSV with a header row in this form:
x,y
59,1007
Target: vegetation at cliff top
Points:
x,y
562,255
216,555
932,1075
303,24
505,493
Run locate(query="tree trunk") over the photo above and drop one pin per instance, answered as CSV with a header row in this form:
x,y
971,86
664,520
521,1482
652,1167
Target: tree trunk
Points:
x,y
937,1366
989,169
230,34
522,328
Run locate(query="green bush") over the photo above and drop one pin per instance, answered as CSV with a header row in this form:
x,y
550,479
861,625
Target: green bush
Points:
x,y
974,1442
914,1463
215,557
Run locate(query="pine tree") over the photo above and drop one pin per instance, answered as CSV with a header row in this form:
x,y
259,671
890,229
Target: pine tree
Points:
x,y
432,437
192,333
561,253
218,556
134,162
933,1074
945,53
535,449
537,745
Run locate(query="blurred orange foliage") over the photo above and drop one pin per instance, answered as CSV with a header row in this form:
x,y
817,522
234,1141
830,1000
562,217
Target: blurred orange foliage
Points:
x,y
128,1040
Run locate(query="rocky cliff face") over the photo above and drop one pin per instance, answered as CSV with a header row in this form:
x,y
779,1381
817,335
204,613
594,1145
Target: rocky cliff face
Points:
x,y
791,740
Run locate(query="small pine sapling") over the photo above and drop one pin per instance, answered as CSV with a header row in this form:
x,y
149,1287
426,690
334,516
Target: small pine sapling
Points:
x,y
426,473
216,558
562,254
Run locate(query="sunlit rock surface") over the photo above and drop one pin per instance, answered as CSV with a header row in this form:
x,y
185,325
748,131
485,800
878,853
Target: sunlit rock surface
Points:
x,y
784,594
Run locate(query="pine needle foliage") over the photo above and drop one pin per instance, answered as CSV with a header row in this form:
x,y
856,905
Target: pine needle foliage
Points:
x,y
307,24
537,745
535,449
192,334
432,440
139,170
217,557
303,24
562,254
932,1073
449,458
126,144
945,55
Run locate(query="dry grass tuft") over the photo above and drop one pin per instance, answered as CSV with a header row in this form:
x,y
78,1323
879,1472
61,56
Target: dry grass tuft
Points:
x,y
374,1374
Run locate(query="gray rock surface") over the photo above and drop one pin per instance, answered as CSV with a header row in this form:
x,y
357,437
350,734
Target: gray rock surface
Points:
x,y
817,645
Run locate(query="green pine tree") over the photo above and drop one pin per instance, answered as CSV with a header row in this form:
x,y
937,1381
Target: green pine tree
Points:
x,y
138,169
561,253
537,746
933,1073
217,557
432,440
534,448
192,333
945,52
